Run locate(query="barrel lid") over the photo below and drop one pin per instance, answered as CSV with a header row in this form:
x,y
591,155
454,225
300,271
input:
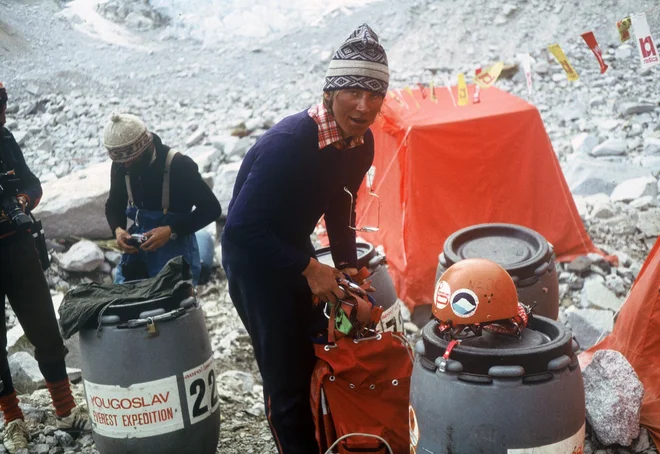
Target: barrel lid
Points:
x,y
132,310
517,249
542,341
365,252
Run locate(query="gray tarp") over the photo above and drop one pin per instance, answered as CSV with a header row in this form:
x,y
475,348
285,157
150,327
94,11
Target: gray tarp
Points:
x,y
82,305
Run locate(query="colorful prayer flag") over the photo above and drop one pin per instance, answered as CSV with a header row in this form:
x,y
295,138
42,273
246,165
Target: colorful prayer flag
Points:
x,y
432,91
591,41
422,89
648,53
526,61
462,91
556,50
623,26
488,77
448,85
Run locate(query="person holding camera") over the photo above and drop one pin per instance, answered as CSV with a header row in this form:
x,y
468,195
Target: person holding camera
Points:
x,y
157,188
22,280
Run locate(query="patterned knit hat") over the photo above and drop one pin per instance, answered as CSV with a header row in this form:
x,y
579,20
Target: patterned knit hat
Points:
x,y
360,62
125,137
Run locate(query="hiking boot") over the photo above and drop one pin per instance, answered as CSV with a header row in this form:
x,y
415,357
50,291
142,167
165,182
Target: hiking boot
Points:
x,y
16,436
77,421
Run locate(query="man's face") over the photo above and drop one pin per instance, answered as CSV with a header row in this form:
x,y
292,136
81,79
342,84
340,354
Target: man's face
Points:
x,y
141,162
355,110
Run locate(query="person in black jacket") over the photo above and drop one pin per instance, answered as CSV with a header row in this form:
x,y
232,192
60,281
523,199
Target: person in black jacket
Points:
x,y
157,188
309,165
22,280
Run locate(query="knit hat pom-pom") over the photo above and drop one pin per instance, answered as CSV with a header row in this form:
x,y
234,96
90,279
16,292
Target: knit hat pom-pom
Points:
x,y
116,117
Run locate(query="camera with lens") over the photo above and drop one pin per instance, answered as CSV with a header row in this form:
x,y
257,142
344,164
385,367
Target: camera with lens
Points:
x,y
9,203
136,240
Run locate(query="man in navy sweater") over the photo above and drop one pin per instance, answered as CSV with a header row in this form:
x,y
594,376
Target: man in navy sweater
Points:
x,y
294,174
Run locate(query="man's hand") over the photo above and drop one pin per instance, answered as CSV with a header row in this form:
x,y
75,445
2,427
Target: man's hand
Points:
x,y
23,201
123,236
156,238
322,279
350,271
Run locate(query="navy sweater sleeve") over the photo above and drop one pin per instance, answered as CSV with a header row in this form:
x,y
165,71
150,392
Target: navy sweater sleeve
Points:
x,y
340,214
258,201
115,206
186,178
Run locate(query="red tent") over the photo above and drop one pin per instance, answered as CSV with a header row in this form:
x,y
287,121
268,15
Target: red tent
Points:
x,y
636,335
439,168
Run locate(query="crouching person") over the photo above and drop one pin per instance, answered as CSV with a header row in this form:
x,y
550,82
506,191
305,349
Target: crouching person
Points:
x,y
164,195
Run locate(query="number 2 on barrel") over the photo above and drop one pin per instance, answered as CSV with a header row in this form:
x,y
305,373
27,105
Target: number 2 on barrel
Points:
x,y
198,388
201,391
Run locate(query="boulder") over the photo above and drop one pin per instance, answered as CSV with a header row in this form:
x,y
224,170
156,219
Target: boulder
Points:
x,y
613,394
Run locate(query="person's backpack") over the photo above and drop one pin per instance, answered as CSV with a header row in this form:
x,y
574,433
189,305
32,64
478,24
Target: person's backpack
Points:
x,y
361,383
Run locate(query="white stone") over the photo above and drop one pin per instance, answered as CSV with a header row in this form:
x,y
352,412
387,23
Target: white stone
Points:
x,y
20,137
584,143
652,145
25,373
634,108
623,52
644,202
613,394
634,189
597,199
590,325
598,294
195,138
611,147
587,176
84,256
649,223
112,257
74,205
603,211
17,342
581,205
206,157
223,184
608,125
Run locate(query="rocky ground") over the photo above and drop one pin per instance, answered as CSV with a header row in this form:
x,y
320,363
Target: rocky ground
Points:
x,y
211,77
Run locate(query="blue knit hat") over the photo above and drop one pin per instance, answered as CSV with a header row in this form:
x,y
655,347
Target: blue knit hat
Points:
x,y
360,62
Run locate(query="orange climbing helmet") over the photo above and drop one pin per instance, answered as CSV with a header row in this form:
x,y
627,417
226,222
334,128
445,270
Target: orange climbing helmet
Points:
x,y
475,291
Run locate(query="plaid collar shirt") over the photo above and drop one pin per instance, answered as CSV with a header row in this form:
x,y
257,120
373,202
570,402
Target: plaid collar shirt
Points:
x,y
329,132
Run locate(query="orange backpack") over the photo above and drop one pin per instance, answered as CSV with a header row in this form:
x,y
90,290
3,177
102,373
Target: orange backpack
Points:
x,y
360,394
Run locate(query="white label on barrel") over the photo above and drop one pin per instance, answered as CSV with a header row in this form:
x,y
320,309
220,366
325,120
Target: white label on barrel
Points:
x,y
572,445
138,411
391,320
201,391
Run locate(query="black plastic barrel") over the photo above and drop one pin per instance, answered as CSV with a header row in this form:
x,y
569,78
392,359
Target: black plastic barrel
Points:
x,y
497,394
524,253
385,293
149,379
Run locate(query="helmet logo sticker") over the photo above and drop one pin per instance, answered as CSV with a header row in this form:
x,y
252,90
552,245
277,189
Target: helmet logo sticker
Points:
x,y
442,295
464,302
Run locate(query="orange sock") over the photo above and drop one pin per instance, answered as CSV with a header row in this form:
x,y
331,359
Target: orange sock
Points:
x,y
10,408
60,392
